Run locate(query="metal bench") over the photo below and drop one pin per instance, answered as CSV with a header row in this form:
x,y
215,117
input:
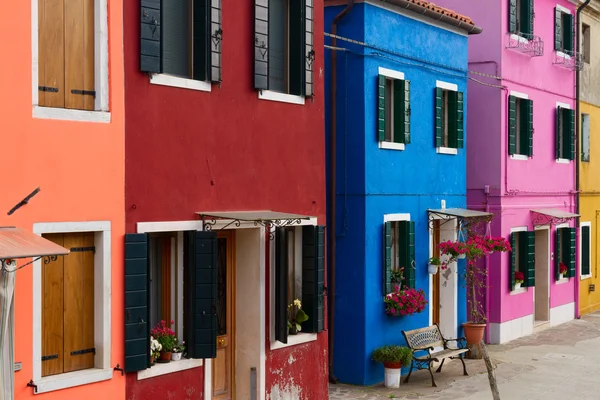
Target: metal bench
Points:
x,y
425,340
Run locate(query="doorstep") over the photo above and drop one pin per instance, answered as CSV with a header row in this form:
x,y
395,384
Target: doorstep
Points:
x,y
539,326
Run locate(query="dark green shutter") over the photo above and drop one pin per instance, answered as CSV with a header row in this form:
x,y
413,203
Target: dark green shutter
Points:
x,y
309,52
214,41
401,111
527,257
558,35
557,141
460,120
150,37
557,253
568,33
381,108
281,285
585,250
313,277
512,16
261,44
568,117
297,58
201,27
137,335
406,251
387,257
513,261
438,117
570,243
512,125
527,18
526,126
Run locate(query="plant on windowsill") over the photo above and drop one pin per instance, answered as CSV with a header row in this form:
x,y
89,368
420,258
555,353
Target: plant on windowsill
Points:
x,y
166,338
393,358
562,270
434,264
155,348
397,275
296,316
519,279
405,302
177,350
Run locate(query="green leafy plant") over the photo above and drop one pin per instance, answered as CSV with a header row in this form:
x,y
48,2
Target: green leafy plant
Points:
x,y
397,275
296,315
393,354
435,261
165,336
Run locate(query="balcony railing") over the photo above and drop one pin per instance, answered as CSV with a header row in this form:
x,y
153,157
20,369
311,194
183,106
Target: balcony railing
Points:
x,y
524,43
569,60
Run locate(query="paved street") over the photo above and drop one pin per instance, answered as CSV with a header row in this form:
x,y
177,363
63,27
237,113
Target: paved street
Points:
x,y
558,363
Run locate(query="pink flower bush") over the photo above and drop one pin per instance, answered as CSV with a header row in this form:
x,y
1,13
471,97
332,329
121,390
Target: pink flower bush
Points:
x,y
164,335
405,302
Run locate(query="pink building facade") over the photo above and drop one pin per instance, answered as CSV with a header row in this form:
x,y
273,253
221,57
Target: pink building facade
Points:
x,y
521,158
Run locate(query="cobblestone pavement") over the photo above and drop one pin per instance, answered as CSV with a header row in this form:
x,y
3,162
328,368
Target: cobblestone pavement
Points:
x,y
558,363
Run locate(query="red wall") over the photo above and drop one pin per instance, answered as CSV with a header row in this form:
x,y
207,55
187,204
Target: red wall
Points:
x,y
188,385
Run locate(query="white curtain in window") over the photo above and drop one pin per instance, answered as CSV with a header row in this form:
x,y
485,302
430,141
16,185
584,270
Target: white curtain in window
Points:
x,y
7,291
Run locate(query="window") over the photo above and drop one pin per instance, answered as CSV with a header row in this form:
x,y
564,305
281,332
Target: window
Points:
x,y
520,126
586,40
189,45
564,251
585,137
522,257
586,250
564,30
283,46
393,122
399,254
299,274
520,18
565,133
449,119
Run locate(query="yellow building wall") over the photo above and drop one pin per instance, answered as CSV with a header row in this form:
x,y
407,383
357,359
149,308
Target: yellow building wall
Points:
x,y
590,209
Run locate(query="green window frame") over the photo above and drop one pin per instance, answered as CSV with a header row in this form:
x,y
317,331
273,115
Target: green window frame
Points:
x,y
565,133
393,109
520,126
520,17
586,249
399,252
564,31
449,118
565,250
522,258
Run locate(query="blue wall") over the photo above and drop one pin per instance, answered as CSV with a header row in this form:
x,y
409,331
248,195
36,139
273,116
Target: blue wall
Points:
x,y
372,182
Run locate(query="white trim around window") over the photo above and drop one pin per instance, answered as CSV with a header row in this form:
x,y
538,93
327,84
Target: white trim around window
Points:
x,y
396,217
390,73
519,38
563,105
563,9
446,86
281,97
391,146
102,309
101,114
179,82
519,157
589,225
516,230
519,95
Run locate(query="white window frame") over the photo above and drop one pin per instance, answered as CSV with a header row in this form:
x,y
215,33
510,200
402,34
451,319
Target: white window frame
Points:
x,y
589,225
453,88
179,82
563,10
568,107
519,95
281,97
101,113
301,337
517,230
102,309
392,74
554,254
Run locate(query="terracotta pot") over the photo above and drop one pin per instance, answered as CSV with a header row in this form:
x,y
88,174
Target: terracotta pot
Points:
x,y
392,365
151,360
165,356
474,332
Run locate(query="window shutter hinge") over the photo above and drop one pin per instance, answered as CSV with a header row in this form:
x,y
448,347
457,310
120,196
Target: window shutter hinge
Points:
x,y
48,89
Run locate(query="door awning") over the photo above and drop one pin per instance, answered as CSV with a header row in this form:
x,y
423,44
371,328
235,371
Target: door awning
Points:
x,y
462,213
20,243
262,217
545,216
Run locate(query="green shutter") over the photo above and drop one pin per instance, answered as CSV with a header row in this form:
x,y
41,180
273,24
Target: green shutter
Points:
x,y
526,126
387,257
201,29
137,335
513,261
460,120
529,117
150,37
406,250
214,41
313,277
401,111
526,18
512,16
512,125
585,250
309,52
297,59
568,133
558,35
570,248
557,253
568,33
381,108
452,120
559,121
261,44
281,285
438,117
527,257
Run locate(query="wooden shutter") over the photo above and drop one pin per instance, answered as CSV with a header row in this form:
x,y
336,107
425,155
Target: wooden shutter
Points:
x,y
527,18
438,117
513,261
512,125
387,258
527,257
568,117
261,44
558,246
281,285
526,126
297,58
512,16
557,139
214,40
313,277
150,37
570,243
558,35
137,315
381,111
585,250
460,121
401,111
309,51
51,55
568,33
53,311
406,249
201,38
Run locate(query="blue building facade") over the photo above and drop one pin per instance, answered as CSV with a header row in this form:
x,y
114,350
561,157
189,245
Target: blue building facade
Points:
x,y
400,132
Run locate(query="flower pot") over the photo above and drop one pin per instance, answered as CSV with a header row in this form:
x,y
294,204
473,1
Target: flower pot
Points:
x,y
151,360
293,330
560,276
491,252
176,356
432,269
165,357
474,332
518,285
462,256
392,375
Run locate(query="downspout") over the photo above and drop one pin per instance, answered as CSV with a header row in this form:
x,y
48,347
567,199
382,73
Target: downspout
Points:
x,y
333,189
577,146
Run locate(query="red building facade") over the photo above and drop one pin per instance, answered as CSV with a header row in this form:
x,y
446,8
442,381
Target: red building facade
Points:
x,y
225,197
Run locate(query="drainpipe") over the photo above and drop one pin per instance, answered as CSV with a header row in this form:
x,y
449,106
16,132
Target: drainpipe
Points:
x,y
486,190
577,144
333,190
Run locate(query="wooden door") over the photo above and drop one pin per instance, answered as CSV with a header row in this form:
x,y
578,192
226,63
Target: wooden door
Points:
x,y
223,368
435,295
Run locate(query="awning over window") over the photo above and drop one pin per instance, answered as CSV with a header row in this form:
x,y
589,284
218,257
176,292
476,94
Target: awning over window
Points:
x,y
460,213
544,216
20,243
262,218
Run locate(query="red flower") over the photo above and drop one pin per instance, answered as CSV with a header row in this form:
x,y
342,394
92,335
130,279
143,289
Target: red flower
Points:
x,y
519,276
563,268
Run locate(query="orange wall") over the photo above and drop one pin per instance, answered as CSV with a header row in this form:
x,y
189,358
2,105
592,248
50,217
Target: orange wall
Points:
x,y
79,167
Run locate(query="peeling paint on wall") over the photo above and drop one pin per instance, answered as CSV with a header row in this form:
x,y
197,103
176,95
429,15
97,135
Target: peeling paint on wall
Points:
x,y
289,391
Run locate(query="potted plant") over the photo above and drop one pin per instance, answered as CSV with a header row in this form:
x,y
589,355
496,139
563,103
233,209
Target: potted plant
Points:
x,y
393,358
166,338
519,279
397,275
155,348
402,302
562,270
296,316
433,265
177,351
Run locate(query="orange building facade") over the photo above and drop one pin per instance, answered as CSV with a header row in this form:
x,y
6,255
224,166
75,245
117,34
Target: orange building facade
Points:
x,y
62,130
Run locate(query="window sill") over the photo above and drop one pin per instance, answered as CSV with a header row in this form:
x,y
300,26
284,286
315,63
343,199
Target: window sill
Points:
x,y
519,38
280,97
72,379
183,83
67,114
391,146
169,368
584,277
294,340
518,291
563,161
519,157
446,150
563,55
562,281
